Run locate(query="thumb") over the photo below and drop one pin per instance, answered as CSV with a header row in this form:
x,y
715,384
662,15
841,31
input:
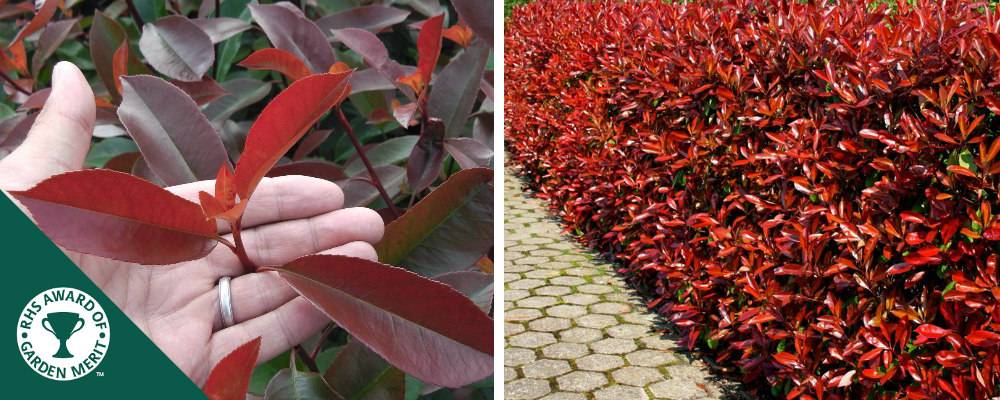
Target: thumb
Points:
x,y
59,139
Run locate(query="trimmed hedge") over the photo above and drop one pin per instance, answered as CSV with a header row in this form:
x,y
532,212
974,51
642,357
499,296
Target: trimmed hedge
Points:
x,y
806,190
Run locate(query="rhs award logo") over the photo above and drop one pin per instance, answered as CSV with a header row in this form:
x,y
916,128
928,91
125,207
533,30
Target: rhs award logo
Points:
x,y
63,334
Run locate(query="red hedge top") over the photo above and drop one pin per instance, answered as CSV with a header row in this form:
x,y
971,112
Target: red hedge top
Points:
x,y
805,189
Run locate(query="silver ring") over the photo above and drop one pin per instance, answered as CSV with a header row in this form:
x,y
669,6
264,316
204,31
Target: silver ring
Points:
x,y
226,302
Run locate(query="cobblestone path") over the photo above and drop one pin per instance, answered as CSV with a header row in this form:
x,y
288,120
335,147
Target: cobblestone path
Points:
x,y
573,329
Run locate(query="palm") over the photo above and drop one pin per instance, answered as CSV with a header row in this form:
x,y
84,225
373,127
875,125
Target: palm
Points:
x,y
177,305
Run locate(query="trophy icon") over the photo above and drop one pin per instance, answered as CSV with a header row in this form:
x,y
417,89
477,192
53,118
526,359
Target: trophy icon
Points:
x,y
62,325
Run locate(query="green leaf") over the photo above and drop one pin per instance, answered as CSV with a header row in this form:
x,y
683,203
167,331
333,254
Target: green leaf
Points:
x,y
291,384
357,373
392,151
448,230
266,371
107,149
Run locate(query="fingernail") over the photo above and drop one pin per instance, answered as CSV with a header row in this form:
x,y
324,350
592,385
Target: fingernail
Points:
x,y
60,72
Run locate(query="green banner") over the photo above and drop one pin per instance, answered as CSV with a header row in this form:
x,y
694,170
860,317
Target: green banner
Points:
x,y
72,341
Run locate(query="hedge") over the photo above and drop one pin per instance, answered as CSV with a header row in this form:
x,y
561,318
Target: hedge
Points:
x,y
804,189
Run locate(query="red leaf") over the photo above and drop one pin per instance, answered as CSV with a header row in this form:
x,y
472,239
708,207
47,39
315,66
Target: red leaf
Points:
x,y
788,360
230,378
932,331
119,64
983,338
277,60
950,358
177,48
108,214
429,46
39,21
401,316
283,121
291,31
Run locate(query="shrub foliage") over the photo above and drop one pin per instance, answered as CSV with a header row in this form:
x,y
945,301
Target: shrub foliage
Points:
x,y
806,189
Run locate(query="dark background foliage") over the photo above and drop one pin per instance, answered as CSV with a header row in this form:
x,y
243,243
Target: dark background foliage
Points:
x,y
805,189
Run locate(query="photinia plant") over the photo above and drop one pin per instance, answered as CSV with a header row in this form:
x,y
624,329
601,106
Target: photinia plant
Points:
x,y
805,189
392,103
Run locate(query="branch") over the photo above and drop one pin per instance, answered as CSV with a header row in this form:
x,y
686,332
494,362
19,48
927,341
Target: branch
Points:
x,y
368,164
13,83
135,14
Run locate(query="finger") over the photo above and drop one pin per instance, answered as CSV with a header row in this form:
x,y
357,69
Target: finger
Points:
x,y
256,294
59,139
279,330
281,242
277,199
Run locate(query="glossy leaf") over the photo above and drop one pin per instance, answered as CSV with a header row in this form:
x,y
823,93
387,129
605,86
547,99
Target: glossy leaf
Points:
x,y
428,50
452,98
177,141
41,18
479,16
277,60
446,231
203,91
54,35
220,29
242,92
416,317
359,373
427,157
292,384
372,51
292,32
359,191
283,122
468,152
474,284
392,151
373,18
106,36
230,378
177,48
79,212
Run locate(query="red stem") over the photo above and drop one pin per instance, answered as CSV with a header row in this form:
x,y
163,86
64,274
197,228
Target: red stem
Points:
x,y
368,164
135,14
248,265
14,83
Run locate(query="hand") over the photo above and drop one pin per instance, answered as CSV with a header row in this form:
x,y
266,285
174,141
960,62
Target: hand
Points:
x,y
177,305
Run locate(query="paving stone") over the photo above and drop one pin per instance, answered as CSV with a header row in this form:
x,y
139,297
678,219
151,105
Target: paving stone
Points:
x,y
566,311
537,302
597,321
581,381
567,280
580,335
515,294
582,299
531,340
582,271
649,358
526,284
555,265
546,369
635,317
565,396
549,324
532,260
620,392
526,248
509,277
599,362
610,308
509,374
521,314
552,290
546,253
571,257
565,351
510,329
592,289
525,389
658,343
627,331
612,346
541,274
677,389
637,376
513,357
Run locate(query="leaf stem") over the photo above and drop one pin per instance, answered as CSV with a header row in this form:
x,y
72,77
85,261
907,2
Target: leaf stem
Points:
x,y
135,15
248,265
306,359
215,62
14,83
368,165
